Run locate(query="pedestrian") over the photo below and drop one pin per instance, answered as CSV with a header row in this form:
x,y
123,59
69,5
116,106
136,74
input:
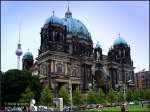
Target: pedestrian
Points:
x,y
142,104
122,108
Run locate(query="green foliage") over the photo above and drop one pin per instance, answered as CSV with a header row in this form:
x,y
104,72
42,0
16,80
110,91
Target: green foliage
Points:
x,y
64,93
129,95
120,96
77,97
46,97
14,82
36,87
115,95
91,97
111,95
26,96
137,94
100,96
146,94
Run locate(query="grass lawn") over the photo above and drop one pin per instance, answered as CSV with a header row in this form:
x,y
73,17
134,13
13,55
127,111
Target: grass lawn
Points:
x,y
131,108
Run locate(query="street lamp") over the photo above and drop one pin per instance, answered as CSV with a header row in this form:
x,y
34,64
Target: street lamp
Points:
x,y
124,92
70,91
55,88
125,87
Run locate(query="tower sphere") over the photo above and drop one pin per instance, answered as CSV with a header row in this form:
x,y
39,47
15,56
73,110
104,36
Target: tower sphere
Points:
x,y
18,52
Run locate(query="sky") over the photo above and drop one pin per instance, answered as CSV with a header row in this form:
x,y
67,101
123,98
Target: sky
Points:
x,y
103,19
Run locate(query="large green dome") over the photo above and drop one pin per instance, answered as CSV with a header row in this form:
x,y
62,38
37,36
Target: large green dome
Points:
x,y
73,25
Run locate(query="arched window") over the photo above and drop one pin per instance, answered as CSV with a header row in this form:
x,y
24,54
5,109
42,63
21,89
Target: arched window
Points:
x,y
53,34
49,35
81,30
59,69
119,52
123,52
58,37
43,70
74,72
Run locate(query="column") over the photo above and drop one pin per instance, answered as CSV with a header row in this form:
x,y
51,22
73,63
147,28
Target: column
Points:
x,y
66,69
52,66
49,73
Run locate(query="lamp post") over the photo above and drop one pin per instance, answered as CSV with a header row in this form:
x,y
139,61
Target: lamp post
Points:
x,y
56,89
70,91
124,92
125,87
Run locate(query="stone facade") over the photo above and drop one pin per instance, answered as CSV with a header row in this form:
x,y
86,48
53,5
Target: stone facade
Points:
x,y
66,55
120,65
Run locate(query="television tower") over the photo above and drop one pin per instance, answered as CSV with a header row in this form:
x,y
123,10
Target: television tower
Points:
x,y
18,50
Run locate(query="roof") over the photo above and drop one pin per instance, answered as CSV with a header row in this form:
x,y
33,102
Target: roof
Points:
x,y
73,25
98,45
119,41
28,55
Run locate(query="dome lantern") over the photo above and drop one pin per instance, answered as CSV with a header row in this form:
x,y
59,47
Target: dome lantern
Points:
x,y
68,14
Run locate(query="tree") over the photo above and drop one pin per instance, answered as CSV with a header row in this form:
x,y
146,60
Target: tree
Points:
x,y
146,94
26,96
136,94
100,96
36,87
46,97
1,74
14,82
64,93
77,97
129,95
111,95
91,97
120,96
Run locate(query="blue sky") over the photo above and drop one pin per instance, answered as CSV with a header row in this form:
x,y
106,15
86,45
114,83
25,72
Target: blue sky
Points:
x,y
103,19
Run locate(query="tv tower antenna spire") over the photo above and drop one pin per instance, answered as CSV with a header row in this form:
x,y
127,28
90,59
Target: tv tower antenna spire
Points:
x,y
19,50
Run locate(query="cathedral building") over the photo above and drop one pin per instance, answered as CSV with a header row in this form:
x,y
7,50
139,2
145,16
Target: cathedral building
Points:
x,y
67,58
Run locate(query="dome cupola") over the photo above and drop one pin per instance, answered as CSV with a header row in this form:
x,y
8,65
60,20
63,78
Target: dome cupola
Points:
x,y
53,20
28,55
119,41
27,60
97,45
74,26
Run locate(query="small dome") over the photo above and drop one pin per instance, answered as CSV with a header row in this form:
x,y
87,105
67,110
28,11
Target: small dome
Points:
x,y
28,55
98,45
54,20
119,41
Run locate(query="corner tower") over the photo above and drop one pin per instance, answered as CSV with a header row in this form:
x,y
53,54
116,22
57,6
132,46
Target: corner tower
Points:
x,y
27,60
120,64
